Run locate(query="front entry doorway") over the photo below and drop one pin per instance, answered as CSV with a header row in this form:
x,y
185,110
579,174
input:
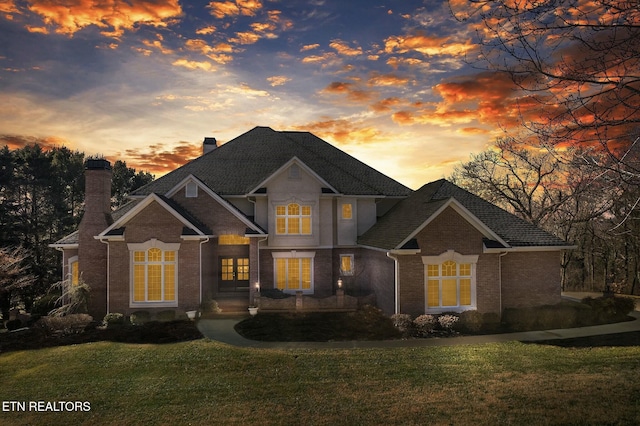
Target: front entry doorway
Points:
x,y
234,274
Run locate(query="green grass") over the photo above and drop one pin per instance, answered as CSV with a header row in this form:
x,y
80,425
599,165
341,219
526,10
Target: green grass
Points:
x,y
205,382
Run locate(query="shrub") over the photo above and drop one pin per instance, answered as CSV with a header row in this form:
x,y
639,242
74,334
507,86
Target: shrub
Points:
x,y
114,319
166,316
44,305
74,299
610,309
425,325
14,324
210,307
470,322
402,322
447,322
68,324
140,317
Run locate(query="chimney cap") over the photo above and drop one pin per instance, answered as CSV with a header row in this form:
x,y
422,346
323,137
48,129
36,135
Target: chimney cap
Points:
x,y
97,164
210,141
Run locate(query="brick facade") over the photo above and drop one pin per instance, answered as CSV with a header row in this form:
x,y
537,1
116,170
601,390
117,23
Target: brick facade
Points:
x,y
530,279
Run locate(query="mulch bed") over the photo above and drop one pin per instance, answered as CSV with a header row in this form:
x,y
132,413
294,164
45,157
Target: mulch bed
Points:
x,y
152,332
631,338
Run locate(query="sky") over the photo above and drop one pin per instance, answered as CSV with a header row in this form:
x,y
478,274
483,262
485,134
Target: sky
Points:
x,y
391,83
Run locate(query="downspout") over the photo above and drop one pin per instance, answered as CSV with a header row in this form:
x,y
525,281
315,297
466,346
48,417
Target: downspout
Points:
x,y
61,250
201,243
108,258
500,256
396,273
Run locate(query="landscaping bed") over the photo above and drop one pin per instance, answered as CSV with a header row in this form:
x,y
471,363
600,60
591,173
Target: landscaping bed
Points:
x,y
151,332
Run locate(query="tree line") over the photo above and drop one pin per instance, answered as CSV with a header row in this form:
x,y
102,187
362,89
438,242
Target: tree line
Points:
x,y
41,201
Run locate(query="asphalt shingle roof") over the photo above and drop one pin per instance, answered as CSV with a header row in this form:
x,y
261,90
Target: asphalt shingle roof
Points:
x,y
405,217
240,165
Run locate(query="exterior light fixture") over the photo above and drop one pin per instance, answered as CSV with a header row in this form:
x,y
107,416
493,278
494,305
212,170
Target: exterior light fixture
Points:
x,y
339,282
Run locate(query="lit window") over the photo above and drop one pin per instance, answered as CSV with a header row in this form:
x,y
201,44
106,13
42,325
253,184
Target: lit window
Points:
x,y
232,240
191,190
74,271
154,276
449,285
346,264
294,273
347,211
293,219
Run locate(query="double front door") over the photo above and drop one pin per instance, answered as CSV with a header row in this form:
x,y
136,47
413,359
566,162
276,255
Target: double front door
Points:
x,y
234,273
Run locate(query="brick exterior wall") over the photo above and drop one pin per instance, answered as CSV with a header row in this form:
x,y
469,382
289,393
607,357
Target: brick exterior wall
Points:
x,y
448,231
531,279
153,222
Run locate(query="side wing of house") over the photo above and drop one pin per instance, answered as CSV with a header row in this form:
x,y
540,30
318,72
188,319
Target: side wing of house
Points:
x,y
449,260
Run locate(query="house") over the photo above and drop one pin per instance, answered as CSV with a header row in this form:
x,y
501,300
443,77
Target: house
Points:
x,y
288,211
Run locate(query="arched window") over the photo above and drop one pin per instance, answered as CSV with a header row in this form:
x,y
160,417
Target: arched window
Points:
x,y
293,219
450,282
154,274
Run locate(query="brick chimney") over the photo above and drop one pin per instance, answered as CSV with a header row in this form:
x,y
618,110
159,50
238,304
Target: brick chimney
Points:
x,y
92,254
209,145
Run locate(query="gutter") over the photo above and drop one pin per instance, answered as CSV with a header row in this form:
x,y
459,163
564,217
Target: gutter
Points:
x,y
396,272
201,243
500,256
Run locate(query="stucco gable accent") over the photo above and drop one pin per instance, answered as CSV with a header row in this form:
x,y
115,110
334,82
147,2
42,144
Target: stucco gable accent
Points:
x,y
140,207
295,160
220,200
466,215
450,255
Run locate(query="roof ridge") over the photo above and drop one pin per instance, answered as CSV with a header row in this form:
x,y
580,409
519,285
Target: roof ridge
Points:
x,y
345,170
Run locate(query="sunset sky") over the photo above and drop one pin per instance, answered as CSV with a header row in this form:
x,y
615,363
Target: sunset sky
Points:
x,y
146,80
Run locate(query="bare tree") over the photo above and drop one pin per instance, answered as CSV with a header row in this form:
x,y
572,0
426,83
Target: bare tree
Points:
x,y
14,275
578,61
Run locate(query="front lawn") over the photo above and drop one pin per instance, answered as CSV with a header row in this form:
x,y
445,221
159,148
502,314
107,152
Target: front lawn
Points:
x,y
205,382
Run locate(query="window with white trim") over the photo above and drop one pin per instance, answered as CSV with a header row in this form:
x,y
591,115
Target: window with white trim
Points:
x,y
191,190
74,271
154,274
346,264
347,211
293,219
450,282
293,271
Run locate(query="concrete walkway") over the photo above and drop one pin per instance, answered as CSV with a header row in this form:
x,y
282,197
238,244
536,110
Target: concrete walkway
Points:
x,y
222,330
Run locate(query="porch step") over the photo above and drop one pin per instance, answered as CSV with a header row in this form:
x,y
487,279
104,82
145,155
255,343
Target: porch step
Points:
x,y
233,303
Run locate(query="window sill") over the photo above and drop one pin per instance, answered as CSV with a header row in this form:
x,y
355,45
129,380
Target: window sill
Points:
x,y
153,305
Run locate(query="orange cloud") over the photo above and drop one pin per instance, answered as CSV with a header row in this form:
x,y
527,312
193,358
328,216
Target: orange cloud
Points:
x,y
8,7
278,80
350,90
218,53
387,80
245,37
309,47
344,131
194,65
427,45
344,49
206,30
160,158
20,141
222,9
113,16
394,62
387,104
157,44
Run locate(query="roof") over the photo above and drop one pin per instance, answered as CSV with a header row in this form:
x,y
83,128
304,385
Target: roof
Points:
x,y
402,221
242,164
